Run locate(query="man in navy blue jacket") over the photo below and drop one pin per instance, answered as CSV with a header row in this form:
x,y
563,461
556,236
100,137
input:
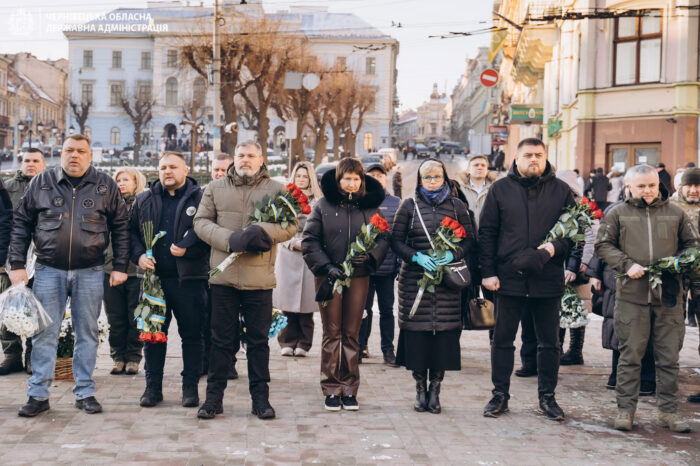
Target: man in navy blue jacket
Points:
x,y
181,261
382,281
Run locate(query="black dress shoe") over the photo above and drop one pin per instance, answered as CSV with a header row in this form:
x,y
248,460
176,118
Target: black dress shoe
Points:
x,y
497,406
33,407
550,408
526,372
190,396
263,410
210,409
10,365
89,404
694,398
390,358
612,381
647,389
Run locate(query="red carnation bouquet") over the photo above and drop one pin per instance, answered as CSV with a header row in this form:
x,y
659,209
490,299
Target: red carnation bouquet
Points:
x,y
283,209
445,238
365,242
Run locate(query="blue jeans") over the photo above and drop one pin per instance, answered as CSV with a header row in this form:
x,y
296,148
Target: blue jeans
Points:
x,y
52,287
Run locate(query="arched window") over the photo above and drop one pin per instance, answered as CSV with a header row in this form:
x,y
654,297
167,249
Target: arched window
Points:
x,y
171,91
368,141
199,92
114,136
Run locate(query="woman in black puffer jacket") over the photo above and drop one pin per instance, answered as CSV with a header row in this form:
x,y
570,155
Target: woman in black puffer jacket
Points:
x,y
430,339
350,200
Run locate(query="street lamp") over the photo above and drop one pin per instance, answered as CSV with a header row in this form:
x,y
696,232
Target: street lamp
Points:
x,y
71,130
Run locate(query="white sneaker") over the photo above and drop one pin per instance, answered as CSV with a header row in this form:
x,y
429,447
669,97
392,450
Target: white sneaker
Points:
x,y
287,351
300,352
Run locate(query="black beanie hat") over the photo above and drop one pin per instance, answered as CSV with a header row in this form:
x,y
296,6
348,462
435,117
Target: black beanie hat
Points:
x,y
691,176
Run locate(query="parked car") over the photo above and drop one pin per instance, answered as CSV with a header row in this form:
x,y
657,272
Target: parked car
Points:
x,y
422,151
126,155
447,147
323,168
371,159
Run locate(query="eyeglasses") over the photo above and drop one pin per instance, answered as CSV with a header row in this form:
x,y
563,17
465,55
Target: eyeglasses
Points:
x,y
432,178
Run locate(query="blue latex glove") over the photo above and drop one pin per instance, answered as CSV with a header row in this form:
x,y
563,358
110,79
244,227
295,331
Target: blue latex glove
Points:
x,y
424,261
446,259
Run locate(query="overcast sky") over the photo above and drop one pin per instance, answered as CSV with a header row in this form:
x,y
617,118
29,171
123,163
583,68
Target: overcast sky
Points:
x,y
421,62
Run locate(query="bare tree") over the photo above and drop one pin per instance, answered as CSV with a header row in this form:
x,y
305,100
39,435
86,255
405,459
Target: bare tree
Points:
x,y
321,113
348,111
237,43
272,54
80,113
138,108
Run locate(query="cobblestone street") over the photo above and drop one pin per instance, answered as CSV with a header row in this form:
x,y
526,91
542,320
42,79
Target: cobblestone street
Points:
x,y
385,430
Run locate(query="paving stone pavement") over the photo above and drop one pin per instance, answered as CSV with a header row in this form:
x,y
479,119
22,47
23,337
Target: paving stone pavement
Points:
x,y
386,430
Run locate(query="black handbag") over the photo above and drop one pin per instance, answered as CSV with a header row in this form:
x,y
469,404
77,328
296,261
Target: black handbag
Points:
x,y
456,274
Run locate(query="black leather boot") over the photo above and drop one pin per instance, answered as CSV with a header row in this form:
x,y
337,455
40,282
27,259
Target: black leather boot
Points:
x,y
190,395
152,395
434,391
421,404
574,357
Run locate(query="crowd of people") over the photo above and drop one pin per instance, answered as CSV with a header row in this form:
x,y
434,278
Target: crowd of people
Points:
x,y
73,231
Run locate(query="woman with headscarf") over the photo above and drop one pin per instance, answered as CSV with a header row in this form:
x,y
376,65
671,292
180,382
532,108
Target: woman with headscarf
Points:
x,y
429,341
295,292
350,200
120,301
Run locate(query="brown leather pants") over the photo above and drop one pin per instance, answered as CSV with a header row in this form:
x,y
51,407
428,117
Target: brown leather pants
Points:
x,y
342,317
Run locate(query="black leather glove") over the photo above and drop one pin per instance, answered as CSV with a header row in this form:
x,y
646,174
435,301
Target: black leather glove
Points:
x,y
670,290
531,260
251,239
334,272
359,260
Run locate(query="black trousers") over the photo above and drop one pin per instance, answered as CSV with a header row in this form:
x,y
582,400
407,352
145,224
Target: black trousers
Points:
x,y
187,301
228,304
545,314
384,287
120,302
206,334
528,337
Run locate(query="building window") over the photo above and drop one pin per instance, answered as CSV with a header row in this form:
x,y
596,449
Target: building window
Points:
x,y
623,156
87,58
146,61
199,92
115,95
368,144
171,59
171,91
114,136
433,129
116,59
638,49
341,62
371,66
145,91
86,92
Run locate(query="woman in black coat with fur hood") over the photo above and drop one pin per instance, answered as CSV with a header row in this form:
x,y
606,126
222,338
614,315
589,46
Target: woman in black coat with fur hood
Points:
x,y
429,341
350,200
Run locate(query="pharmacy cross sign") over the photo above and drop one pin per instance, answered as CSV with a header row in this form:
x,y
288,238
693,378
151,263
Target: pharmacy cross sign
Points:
x,y
489,77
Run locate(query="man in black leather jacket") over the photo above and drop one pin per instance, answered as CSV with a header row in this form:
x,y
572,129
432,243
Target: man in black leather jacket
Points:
x,y
70,212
